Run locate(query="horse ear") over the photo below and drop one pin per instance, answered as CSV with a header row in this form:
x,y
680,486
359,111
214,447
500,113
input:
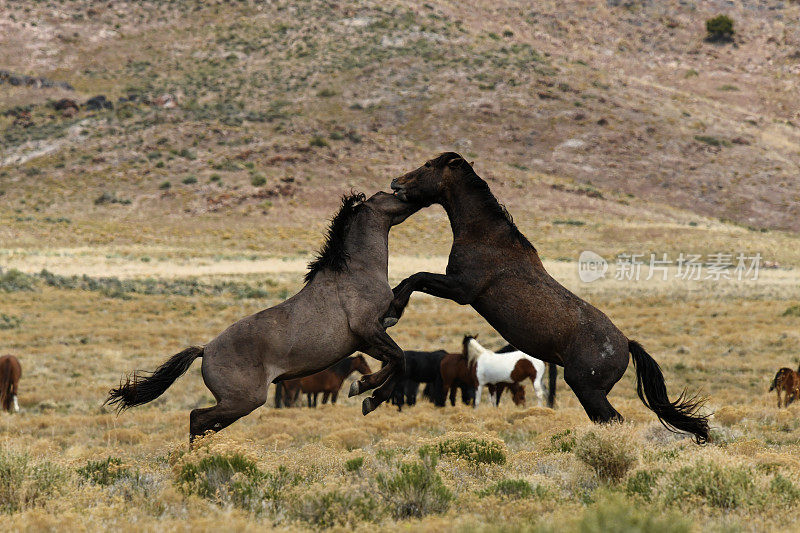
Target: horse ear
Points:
x,y
455,162
475,336
472,163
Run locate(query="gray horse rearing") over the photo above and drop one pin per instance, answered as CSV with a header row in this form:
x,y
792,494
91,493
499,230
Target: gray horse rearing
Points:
x,y
336,313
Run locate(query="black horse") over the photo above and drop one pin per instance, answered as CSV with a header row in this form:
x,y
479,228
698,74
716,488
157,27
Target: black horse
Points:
x,y
421,367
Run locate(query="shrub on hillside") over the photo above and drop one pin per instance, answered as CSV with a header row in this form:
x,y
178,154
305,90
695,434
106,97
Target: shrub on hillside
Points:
x,y
719,28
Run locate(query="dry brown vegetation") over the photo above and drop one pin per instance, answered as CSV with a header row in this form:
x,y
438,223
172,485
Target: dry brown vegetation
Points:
x,y
608,126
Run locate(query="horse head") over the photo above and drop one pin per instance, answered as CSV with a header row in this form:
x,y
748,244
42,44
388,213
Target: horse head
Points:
x,y
427,184
360,364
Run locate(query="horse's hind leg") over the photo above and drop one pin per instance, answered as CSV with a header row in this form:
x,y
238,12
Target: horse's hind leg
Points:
x,y
597,406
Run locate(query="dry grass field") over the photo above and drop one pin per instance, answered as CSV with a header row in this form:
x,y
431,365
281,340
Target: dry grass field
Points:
x,y
128,233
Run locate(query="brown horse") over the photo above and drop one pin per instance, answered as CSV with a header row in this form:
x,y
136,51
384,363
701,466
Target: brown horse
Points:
x,y
456,373
10,372
329,381
788,382
336,313
497,271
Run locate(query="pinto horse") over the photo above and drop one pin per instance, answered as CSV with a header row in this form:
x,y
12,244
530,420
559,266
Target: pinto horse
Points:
x,y
552,376
496,270
10,372
788,382
336,313
495,368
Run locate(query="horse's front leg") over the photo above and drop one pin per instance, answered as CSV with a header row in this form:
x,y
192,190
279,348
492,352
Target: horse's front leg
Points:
x,y
439,285
380,346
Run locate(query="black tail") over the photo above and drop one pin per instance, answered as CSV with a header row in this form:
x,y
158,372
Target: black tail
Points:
x,y
680,415
552,374
142,389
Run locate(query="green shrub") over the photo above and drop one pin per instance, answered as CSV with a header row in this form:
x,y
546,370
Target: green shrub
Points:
x,y
165,186
236,480
615,514
189,180
414,489
608,456
331,509
14,281
563,442
473,450
723,487
784,490
258,180
792,310
514,489
642,484
712,141
318,141
104,472
25,484
354,465
9,321
720,28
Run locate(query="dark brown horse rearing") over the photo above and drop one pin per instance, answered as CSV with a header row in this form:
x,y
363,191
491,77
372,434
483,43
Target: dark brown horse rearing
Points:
x,y
497,271
336,313
10,372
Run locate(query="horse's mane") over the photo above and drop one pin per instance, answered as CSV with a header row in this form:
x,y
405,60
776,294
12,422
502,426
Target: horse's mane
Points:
x,y
506,349
471,356
490,203
332,255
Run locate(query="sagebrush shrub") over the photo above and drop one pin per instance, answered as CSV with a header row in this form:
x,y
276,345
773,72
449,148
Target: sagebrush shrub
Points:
x,y
723,487
514,489
642,483
414,489
472,449
231,478
334,508
609,456
25,484
104,472
354,464
615,514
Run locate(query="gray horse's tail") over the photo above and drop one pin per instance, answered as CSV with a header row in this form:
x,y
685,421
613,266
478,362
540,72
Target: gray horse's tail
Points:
x,y
552,374
138,389
680,415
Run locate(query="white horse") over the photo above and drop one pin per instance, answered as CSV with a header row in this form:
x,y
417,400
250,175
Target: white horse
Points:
x,y
509,367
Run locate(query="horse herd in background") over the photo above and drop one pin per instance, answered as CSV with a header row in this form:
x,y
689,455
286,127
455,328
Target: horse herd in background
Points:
x,y
443,374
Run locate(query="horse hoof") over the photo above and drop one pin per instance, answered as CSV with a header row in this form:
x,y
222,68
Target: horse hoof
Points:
x,y
389,321
367,406
354,390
